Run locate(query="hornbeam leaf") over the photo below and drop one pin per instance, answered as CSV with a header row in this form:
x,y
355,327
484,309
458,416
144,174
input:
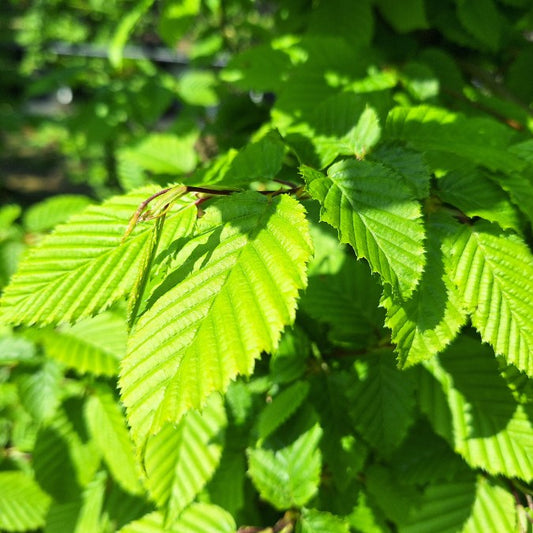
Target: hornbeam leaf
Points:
x,y
83,266
429,320
23,504
374,211
493,271
239,291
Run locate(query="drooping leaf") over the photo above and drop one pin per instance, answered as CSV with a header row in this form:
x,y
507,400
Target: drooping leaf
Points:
x,y
180,460
93,345
382,402
470,404
374,211
288,477
82,267
424,324
493,272
23,504
107,426
246,268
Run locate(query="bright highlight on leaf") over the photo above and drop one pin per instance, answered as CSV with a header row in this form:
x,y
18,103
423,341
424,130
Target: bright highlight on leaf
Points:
x,y
375,212
82,267
246,268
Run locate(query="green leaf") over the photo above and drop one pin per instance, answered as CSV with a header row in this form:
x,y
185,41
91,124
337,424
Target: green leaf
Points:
x,y
55,210
408,16
281,407
444,507
125,28
82,267
16,349
89,518
182,458
93,345
246,268
493,510
288,477
197,518
40,391
493,272
382,403
198,87
476,195
164,153
373,211
23,505
107,426
471,405
481,19
424,324
313,521
409,164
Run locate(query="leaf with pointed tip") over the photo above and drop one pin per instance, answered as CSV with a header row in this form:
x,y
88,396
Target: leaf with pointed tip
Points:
x,y
83,266
313,521
23,504
288,477
107,426
424,324
471,405
375,212
239,291
383,403
493,272
93,345
181,459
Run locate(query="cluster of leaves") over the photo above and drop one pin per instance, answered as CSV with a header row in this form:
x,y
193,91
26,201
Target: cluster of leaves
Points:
x,y
323,323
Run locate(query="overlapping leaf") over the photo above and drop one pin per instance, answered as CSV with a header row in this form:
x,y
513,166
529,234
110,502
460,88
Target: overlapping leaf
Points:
x,y
424,324
472,406
493,272
83,266
237,292
108,428
180,460
288,477
374,211
23,504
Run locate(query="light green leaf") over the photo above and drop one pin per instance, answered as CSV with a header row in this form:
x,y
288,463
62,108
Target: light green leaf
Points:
x,y
93,345
164,153
373,211
181,459
40,391
382,402
493,510
493,272
16,349
198,87
82,267
89,515
127,23
288,477
107,426
424,324
23,504
55,210
197,518
246,268
313,521
472,406
281,407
